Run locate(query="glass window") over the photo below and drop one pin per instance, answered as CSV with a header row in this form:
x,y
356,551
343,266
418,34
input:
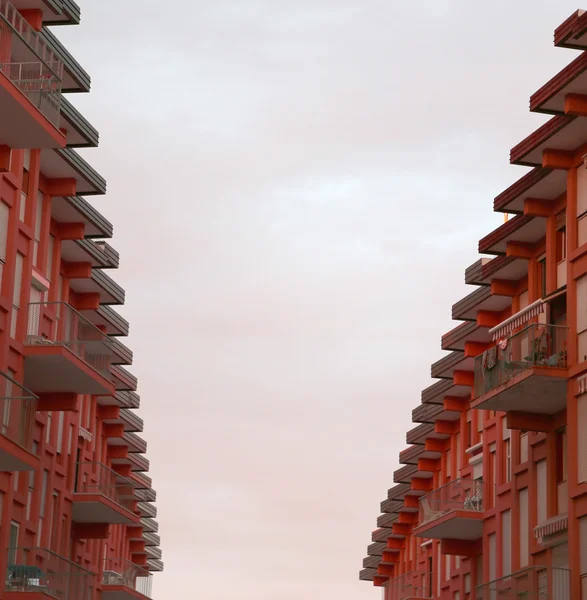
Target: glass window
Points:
x,y
542,277
13,542
507,460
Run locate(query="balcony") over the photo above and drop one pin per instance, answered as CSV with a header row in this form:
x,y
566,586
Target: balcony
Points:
x,y
410,586
17,413
30,85
526,373
38,574
533,583
453,511
123,580
103,496
65,353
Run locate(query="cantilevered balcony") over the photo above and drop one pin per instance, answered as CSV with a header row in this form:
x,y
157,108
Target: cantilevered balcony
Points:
x,y
123,580
414,585
31,77
54,12
38,574
103,496
453,511
525,373
17,413
533,583
65,353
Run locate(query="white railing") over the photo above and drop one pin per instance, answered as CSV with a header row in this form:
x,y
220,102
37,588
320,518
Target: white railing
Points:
x,y
9,16
39,85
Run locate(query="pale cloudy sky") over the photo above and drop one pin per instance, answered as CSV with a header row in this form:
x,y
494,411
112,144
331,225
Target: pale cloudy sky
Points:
x,y
297,188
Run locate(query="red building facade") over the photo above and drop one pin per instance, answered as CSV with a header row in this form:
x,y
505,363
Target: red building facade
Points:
x,y
491,503
77,520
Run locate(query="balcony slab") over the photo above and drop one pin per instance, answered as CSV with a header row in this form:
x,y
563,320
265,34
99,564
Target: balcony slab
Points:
x,y
457,524
15,458
53,368
539,390
95,508
121,592
26,127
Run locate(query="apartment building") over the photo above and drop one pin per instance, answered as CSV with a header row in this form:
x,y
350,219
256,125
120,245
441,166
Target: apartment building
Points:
x,y
77,519
491,500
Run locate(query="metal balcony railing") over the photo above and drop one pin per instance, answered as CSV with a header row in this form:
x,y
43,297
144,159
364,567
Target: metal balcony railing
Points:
x,y
17,412
58,323
537,345
31,65
12,22
96,478
410,585
461,494
41,571
533,583
121,572
37,83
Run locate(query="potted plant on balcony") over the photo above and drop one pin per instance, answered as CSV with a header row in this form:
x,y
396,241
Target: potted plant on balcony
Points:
x,y
539,348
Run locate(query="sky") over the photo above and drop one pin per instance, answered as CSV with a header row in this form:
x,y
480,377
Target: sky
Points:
x,y
296,190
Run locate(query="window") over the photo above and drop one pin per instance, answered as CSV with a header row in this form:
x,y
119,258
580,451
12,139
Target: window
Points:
x,y
582,317
480,419
542,277
35,306
71,438
582,435
65,538
469,440
523,521
50,249
506,543
523,300
583,552
507,461
491,542
48,427
561,245
16,293
44,493
42,506
31,489
506,467
581,205
4,217
523,447
24,191
448,459
13,542
492,476
541,491
459,453
561,456
60,432
7,404
38,228
561,472
54,522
